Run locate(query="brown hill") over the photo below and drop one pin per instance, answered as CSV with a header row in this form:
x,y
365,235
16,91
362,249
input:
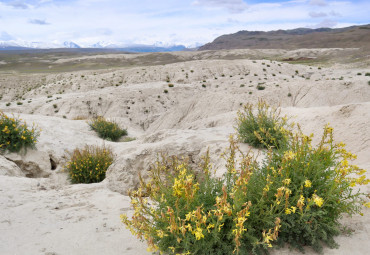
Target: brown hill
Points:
x,y
349,37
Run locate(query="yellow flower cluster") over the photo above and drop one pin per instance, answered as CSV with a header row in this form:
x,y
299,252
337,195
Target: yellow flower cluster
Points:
x,y
289,155
6,130
271,236
300,202
183,185
290,210
318,200
307,183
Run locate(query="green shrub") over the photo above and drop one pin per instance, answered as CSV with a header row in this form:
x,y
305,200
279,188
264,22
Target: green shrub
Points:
x,y
171,85
367,74
295,196
260,87
265,128
15,135
88,165
107,129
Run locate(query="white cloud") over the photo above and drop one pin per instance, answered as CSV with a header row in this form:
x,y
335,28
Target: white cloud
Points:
x,y
234,6
325,23
317,14
318,2
18,4
38,22
335,14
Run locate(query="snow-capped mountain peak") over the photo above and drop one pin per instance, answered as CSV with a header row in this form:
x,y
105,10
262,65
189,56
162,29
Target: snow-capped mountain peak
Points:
x,y
73,45
157,47
4,44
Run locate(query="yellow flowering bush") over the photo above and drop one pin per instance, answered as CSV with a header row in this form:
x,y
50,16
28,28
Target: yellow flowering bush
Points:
x,y
263,128
89,165
15,134
311,187
296,197
107,129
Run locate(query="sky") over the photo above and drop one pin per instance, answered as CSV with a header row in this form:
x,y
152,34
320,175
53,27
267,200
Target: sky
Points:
x,y
167,22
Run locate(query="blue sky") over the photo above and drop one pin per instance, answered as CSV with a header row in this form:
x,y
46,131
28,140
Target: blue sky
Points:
x,y
187,22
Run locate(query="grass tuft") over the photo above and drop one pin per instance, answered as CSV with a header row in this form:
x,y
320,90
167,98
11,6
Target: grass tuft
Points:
x,y
107,130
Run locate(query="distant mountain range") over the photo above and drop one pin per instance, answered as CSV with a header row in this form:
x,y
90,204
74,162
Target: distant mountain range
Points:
x,y
23,45
349,37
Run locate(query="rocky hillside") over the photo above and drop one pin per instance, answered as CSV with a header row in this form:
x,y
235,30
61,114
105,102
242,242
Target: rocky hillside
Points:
x,y
349,37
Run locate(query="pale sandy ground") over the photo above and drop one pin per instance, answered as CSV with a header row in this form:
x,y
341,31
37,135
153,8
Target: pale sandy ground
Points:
x,y
50,216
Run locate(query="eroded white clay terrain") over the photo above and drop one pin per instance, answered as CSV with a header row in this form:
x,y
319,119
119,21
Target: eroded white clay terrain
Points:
x,y
50,216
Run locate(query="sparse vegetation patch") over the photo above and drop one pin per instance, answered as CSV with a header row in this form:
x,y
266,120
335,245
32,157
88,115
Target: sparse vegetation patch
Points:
x,y
108,130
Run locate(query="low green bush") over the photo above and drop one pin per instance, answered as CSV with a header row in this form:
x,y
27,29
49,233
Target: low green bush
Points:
x,y
15,134
264,128
108,130
89,164
296,197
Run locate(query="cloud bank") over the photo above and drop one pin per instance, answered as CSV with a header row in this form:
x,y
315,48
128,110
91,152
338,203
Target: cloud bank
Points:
x,y
38,22
166,22
234,6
